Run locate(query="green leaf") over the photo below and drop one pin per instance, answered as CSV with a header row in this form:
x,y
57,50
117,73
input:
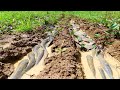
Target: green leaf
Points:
x,y
97,35
82,45
79,39
94,46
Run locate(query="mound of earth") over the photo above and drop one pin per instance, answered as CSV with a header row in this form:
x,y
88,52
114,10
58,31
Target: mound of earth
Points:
x,y
66,64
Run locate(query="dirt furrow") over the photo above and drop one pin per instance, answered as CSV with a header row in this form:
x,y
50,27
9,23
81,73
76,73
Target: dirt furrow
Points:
x,y
66,64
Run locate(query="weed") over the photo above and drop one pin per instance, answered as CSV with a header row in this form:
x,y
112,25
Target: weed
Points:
x,y
97,35
114,28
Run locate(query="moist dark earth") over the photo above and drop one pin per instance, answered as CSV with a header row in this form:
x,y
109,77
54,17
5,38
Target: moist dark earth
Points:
x,y
18,45
6,70
94,28
65,65
14,46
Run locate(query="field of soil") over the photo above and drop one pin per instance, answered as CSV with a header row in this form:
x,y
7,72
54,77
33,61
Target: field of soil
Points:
x,y
65,59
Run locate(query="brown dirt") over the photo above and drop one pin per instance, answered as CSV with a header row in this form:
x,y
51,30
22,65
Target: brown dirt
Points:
x,y
5,70
65,65
114,49
13,46
92,28
17,45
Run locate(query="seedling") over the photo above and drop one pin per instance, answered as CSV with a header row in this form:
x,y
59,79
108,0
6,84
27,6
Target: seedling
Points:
x,y
97,35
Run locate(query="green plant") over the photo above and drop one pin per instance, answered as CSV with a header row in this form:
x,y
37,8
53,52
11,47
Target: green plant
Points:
x,y
97,35
82,45
15,18
113,25
114,28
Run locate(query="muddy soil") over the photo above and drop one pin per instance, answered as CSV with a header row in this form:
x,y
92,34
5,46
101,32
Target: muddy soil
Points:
x,y
66,64
94,28
6,70
91,29
114,49
14,46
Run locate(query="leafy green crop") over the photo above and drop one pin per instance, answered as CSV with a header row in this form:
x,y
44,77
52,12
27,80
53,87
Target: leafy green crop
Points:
x,y
25,20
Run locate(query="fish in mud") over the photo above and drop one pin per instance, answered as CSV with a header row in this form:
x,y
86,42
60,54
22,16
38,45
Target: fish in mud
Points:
x,y
102,73
40,54
32,61
105,65
91,64
17,74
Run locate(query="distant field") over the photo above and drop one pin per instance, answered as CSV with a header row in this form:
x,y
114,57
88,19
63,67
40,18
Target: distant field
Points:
x,y
27,20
